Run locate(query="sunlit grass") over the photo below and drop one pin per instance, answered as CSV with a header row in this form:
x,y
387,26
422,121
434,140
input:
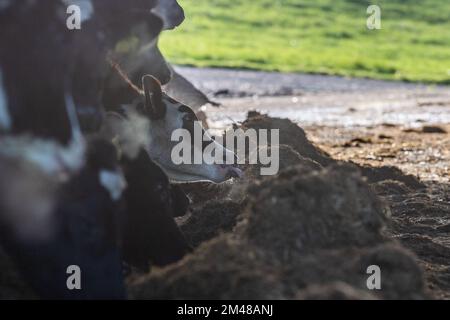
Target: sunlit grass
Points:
x,y
320,36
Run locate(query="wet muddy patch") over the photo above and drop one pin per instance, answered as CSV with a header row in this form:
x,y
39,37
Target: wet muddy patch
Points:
x,y
310,232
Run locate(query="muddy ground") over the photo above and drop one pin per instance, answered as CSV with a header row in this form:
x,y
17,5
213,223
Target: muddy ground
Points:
x,y
366,182
311,231
420,218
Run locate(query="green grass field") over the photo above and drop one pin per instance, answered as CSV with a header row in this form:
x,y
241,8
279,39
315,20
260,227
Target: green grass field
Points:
x,y
316,36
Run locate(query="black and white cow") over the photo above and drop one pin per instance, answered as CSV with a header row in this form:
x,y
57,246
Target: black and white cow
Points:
x,y
36,101
156,116
75,224
48,76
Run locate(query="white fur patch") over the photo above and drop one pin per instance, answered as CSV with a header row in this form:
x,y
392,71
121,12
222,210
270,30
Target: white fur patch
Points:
x,y
48,156
114,182
5,118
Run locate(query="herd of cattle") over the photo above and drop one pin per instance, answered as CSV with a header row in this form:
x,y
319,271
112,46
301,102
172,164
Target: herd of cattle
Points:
x,y
86,175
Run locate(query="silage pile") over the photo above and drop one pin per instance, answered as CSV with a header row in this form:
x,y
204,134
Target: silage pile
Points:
x,y
309,232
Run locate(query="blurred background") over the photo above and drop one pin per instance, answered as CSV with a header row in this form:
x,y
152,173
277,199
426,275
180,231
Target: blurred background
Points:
x,y
323,36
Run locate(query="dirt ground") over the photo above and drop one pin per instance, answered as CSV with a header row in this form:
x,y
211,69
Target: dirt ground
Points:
x,y
420,219
423,151
379,193
311,231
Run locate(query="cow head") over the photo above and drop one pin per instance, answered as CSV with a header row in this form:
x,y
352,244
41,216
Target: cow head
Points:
x,y
164,116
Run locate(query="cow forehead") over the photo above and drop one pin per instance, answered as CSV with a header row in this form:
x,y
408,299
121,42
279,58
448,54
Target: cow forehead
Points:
x,y
182,116
181,108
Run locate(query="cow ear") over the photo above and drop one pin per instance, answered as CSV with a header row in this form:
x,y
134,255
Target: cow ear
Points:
x,y
154,104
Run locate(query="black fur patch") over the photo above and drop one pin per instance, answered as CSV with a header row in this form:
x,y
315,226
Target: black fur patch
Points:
x,y
189,118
